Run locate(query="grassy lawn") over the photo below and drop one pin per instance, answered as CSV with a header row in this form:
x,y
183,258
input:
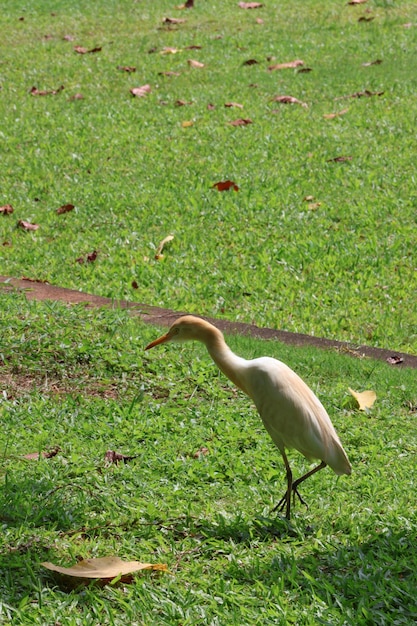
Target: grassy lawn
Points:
x,y
306,244
198,493
340,264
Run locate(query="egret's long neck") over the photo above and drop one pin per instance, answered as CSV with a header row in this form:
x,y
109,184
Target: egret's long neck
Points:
x,y
233,366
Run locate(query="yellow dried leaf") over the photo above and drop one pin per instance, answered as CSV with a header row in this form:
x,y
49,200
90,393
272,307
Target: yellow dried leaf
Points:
x,y
106,568
365,399
187,124
158,251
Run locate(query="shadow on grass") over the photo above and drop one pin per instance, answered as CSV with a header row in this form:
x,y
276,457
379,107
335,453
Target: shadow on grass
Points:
x,y
370,581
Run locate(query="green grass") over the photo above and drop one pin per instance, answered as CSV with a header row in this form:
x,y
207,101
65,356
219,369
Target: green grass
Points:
x,y
346,270
79,379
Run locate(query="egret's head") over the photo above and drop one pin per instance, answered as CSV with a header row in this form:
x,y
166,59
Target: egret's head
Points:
x,y
185,328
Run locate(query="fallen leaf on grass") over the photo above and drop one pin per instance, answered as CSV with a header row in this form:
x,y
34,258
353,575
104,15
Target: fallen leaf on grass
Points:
x,y
182,103
225,185
331,116
376,62
187,124
395,359
365,19
76,96
68,38
285,66
289,100
195,64
141,92
250,5
103,569
112,456
169,50
81,50
6,209
203,451
187,5
65,208
241,122
365,399
45,92
361,94
90,258
27,225
173,20
169,73
158,251
233,104
126,68
339,159
353,2
313,206
251,62
35,456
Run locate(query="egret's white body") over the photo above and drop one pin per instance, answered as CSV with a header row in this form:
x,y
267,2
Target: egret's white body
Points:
x,y
290,411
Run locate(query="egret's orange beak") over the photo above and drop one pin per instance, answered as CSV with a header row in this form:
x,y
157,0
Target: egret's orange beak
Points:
x,y
156,342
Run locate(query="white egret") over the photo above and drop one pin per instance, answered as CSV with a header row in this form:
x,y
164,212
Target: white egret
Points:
x,y
291,413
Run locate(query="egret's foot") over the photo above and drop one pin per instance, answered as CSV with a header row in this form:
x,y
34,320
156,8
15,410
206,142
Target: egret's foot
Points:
x,y
283,502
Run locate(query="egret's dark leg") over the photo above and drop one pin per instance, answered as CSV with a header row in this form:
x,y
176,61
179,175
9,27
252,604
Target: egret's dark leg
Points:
x,y
286,499
292,486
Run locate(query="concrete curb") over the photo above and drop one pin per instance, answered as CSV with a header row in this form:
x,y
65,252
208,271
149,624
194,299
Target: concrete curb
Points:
x,y
164,317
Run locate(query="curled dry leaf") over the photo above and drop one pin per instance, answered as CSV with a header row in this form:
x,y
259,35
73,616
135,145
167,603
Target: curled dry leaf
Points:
x,y
92,256
81,50
169,50
141,92
233,104
6,209
339,159
160,247
225,185
376,62
241,122
187,5
112,456
187,124
173,20
203,451
361,94
365,399
45,92
103,569
353,2
331,116
169,73
181,103
126,68
65,208
35,456
27,225
251,62
195,64
76,96
395,359
289,100
250,5
285,66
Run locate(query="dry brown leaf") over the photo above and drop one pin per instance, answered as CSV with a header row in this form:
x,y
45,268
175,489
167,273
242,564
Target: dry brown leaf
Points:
x,y
251,62
92,256
233,104
289,100
173,20
160,247
65,208
339,159
187,124
181,103
376,62
353,2
285,66
27,225
225,185
188,5
169,73
395,359
361,94
250,5
35,456
81,50
241,122
365,19
331,116
76,96
45,92
141,92
126,68
365,399
6,209
169,50
112,456
195,64
203,451
313,206
103,569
